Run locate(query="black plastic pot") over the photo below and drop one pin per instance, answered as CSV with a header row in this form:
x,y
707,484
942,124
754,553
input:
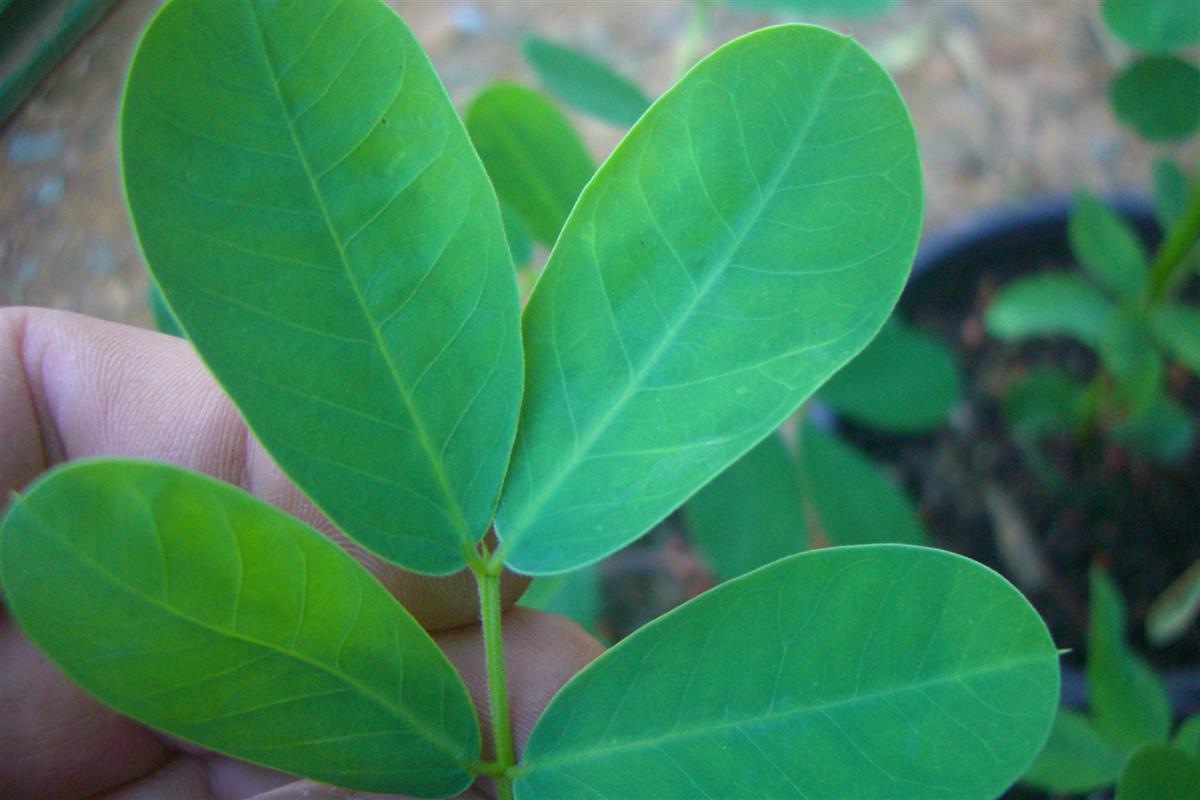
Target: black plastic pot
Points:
x,y
1002,243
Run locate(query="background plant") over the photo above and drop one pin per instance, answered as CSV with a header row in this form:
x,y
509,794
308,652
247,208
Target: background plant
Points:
x,y
323,230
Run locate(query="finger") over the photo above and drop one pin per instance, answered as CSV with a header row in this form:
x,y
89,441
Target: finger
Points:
x,y
72,387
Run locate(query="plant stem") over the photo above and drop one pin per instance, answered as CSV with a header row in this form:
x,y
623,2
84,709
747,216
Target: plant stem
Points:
x,y
487,579
1172,253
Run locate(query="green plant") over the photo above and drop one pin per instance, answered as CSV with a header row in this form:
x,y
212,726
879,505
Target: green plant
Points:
x,y
323,231
1125,738
1128,309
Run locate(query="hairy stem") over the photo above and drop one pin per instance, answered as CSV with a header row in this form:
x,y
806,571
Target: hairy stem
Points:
x,y
487,579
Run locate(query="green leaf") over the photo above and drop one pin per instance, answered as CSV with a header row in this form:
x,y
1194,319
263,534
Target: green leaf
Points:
x,y
850,497
1045,400
164,320
1153,25
585,83
532,154
1160,772
1107,247
191,606
1170,192
1187,738
751,514
1128,353
853,9
1049,304
747,238
520,240
1164,431
572,594
1129,703
1076,758
1176,327
883,671
321,227
905,381
1175,610
1158,96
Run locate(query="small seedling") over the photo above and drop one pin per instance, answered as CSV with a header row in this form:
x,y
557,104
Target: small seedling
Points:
x,y
325,234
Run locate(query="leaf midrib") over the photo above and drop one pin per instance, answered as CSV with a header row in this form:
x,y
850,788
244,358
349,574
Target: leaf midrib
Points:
x,y
531,508
458,517
100,570
529,765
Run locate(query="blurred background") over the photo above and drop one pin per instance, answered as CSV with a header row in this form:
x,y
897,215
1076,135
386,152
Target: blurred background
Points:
x,y
1008,99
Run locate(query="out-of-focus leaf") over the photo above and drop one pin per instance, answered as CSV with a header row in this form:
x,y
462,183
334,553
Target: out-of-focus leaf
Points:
x,y
1158,96
1187,738
1044,400
1129,703
1076,758
1107,247
1128,353
1170,192
573,594
750,514
1049,304
906,381
585,83
1165,431
532,154
1160,771
879,671
1177,328
520,240
850,496
849,9
1176,609
1158,26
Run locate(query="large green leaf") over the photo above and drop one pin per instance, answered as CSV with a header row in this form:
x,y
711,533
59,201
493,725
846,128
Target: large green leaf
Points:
x,y
1160,771
751,514
1154,25
747,238
1129,704
1177,328
906,381
1076,758
532,154
1049,304
585,83
1107,247
193,607
321,227
850,498
882,671
1158,96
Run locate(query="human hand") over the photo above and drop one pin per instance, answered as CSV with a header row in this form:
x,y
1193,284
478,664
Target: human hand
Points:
x,y
75,387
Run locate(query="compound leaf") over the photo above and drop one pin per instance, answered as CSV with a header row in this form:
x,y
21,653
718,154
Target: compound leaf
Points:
x,y
1158,96
850,497
1076,758
905,381
882,671
532,154
312,208
1107,247
1049,304
1129,703
1159,771
747,238
1154,25
585,83
750,514
191,606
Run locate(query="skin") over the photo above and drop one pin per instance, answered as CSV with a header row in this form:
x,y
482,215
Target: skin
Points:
x,y
73,387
